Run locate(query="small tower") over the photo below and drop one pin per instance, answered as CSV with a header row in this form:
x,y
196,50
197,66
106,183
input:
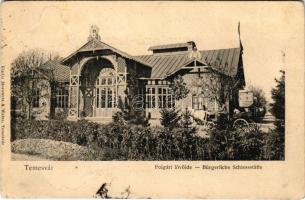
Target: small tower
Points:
x,y
94,33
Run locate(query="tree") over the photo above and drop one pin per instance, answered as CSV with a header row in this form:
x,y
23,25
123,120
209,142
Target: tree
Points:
x,y
186,120
278,96
260,102
215,86
179,88
25,78
170,118
259,95
275,141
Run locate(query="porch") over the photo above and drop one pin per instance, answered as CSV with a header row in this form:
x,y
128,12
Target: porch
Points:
x,y
96,84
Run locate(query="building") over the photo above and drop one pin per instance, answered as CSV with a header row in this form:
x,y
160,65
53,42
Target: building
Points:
x,y
93,78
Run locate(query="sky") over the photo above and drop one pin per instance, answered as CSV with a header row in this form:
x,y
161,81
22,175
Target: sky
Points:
x,y
268,29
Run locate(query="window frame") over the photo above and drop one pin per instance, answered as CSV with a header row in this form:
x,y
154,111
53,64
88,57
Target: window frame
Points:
x,y
158,97
105,90
62,97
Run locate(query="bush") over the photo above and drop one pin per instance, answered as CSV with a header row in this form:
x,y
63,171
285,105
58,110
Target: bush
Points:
x,y
80,132
130,112
236,144
61,114
117,141
170,117
274,145
187,119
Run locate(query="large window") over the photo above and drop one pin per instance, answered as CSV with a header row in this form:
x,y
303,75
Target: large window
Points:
x,y
35,99
62,97
159,97
105,89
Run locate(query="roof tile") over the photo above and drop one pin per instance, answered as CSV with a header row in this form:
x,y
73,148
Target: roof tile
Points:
x,y
59,72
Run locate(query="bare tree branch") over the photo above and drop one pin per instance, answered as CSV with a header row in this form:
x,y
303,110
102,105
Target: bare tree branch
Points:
x,y
25,77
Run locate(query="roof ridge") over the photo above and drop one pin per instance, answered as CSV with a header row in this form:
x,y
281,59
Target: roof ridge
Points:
x,y
169,46
181,53
219,49
165,54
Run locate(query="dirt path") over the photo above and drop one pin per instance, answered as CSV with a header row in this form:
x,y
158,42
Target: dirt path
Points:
x,y
267,123
26,157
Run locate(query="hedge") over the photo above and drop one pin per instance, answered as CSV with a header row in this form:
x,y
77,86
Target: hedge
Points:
x,y
117,141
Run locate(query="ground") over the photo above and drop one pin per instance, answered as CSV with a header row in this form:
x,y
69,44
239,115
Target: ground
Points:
x,y
26,157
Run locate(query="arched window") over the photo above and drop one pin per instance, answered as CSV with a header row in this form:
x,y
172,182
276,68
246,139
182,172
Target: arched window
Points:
x,y
105,89
106,77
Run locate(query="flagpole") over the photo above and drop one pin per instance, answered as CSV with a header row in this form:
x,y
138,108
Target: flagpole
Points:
x,y
238,30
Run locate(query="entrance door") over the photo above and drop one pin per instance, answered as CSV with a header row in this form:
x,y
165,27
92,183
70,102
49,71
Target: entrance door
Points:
x,y
105,94
104,101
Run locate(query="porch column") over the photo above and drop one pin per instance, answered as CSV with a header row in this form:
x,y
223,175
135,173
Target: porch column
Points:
x,y
121,70
74,94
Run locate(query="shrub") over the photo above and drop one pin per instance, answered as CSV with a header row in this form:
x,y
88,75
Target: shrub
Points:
x,y
130,113
186,120
170,117
236,144
116,141
118,118
61,114
80,132
274,145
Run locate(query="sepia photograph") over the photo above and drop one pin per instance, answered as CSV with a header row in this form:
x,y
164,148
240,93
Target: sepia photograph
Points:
x,y
179,101
170,85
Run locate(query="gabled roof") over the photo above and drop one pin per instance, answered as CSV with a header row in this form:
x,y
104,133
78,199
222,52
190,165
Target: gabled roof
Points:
x,y
95,45
223,60
54,70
